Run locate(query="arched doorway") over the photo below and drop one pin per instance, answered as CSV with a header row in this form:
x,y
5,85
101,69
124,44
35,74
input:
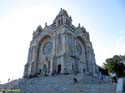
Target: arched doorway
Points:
x,y
45,69
59,69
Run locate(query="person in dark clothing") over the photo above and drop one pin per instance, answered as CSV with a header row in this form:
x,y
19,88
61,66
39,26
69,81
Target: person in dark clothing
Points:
x,y
84,71
100,77
75,79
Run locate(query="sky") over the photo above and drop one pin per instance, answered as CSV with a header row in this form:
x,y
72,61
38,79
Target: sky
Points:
x,y
103,19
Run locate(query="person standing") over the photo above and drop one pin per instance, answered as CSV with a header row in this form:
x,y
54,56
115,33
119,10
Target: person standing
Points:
x,y
75,79
100,77
111,74
113,77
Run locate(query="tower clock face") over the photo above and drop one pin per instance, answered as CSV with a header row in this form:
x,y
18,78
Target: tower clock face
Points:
x,y
47,48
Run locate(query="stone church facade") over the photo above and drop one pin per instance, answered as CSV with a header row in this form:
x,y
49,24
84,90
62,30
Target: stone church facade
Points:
x,y
60,48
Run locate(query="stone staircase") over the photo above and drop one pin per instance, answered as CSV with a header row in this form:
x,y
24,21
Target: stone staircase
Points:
x,y
63,84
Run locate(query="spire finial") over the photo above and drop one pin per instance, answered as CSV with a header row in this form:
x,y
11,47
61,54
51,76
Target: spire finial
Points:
x,y
79,25
45,24
61,9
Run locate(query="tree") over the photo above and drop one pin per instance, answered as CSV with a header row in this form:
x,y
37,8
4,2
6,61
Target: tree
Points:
x,y
114,65
120,69
110,65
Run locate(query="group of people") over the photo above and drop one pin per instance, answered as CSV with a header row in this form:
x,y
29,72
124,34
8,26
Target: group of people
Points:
x,y
112,75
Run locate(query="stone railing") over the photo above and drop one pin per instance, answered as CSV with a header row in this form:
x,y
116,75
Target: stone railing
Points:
x,y
120,86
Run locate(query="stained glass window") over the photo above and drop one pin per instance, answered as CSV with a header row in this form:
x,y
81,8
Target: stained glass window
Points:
x,y
47,48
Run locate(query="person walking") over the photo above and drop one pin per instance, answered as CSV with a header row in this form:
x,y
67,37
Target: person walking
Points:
x,y
111,75
75,79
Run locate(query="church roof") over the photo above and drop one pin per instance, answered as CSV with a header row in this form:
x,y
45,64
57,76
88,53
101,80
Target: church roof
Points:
x,y
61,13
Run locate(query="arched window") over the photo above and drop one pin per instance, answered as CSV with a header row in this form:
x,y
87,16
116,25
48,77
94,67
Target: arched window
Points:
x,y
61,21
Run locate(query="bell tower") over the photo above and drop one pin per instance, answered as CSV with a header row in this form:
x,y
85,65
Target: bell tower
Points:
x,y
62,19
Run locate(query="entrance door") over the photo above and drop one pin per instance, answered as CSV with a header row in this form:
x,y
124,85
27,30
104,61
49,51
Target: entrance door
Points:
x,y
59,69
48,67
45,69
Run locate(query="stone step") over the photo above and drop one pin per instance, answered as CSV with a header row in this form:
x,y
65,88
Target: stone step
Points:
x,y
64,84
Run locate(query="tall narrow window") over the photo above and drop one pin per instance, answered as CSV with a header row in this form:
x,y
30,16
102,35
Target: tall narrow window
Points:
x,y
61,21
58,22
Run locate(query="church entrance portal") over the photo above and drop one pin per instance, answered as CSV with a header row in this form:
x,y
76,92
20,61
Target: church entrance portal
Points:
x,y
59,69
45,69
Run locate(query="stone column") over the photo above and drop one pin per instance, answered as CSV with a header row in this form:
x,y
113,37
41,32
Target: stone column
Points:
x,y
25,74
89,61
95,67
34,59
29,69
71,45
63,43
62,63
93,62
63,52
52,58
28,61
53,45
51,66
29,53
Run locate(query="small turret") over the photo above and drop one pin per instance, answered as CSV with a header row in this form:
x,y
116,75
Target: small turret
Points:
x,y
39,28
37,32
62,18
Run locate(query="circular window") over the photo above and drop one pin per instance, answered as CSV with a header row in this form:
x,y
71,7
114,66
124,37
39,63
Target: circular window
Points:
x,y
47,48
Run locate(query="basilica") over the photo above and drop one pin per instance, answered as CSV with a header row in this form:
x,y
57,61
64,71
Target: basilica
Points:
x,y
60,48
